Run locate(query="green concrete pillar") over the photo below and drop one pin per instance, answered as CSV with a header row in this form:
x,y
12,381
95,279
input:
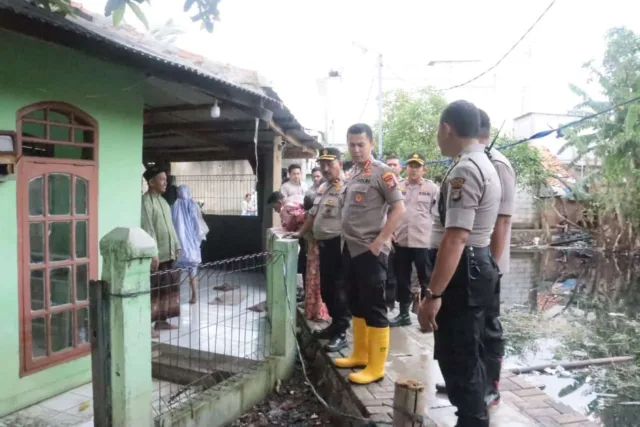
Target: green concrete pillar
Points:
x,y
281,295
127,254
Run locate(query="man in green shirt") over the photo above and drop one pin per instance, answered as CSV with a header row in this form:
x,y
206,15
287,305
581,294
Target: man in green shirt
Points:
x,y
165,280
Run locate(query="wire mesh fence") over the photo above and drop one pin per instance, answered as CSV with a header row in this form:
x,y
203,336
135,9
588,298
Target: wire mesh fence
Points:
x,y
210,325
223,194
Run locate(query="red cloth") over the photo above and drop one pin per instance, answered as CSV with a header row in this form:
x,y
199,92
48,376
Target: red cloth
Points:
x,y
292,216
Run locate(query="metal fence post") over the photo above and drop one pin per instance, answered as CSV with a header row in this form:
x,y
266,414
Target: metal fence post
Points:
x,y
282,276
121,322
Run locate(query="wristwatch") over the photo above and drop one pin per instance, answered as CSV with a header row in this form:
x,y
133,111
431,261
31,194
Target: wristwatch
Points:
x,y
431,295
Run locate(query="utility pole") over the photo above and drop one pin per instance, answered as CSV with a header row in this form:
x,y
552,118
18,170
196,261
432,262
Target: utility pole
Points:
x,y
380,106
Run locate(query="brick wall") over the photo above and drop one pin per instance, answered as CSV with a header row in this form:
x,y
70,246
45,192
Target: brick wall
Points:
x,y
524,272
526,213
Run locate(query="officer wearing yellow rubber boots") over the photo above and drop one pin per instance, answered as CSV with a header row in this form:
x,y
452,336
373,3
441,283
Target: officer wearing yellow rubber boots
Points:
x,y
465,275
373,208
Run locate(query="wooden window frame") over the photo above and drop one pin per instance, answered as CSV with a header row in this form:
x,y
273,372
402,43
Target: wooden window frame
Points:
x,y
28,365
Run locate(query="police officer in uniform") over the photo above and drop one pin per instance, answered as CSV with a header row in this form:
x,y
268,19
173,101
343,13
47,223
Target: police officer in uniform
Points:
x,y
324,218
500,241
391,284
412,235
372,210
465,275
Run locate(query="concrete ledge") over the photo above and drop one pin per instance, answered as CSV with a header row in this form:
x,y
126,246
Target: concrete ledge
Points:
x,y
230,398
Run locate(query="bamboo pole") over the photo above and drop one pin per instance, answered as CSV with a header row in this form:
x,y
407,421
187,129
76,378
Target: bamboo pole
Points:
x,y
408,403
574,365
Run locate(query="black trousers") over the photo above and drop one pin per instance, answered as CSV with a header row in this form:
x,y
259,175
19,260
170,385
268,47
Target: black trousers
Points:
x,y
391,284
302,261
459,340
494,341
405,258
365,276
332,285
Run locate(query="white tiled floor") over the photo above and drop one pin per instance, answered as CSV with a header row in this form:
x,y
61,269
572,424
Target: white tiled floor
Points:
x,y
221,322
73,408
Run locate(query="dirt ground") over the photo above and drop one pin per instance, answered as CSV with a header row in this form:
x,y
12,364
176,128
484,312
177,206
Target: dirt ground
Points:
x,y
291,404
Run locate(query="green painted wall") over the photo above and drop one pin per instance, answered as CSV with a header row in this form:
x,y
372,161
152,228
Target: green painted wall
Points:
x,y
38,72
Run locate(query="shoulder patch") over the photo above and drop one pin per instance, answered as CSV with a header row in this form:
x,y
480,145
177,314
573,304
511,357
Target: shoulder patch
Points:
x,y
390,179
456,188
456,183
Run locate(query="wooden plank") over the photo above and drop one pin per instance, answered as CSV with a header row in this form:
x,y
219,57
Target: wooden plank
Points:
x,y
100,352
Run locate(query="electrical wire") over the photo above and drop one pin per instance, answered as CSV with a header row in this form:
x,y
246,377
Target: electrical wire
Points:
x,y
557,131
366,103
506,54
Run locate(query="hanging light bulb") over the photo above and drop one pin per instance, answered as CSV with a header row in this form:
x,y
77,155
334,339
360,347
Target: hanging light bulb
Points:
x,y
215,110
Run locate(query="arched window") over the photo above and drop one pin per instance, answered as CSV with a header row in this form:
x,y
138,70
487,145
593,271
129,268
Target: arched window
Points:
x,y
57,217
56,130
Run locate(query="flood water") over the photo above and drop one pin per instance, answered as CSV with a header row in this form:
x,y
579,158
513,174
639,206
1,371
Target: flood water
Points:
x,y
573,305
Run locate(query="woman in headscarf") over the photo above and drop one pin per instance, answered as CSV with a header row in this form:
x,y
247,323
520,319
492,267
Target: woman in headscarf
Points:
x,y
191,230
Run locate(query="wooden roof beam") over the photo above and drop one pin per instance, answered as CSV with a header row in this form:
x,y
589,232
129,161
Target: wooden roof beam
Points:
x,y
290,139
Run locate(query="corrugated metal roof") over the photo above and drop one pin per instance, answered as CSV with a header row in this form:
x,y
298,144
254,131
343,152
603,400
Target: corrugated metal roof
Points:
x,y
124,38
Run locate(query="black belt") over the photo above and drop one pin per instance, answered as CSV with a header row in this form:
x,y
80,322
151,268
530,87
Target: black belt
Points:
x,y
472,251
322,242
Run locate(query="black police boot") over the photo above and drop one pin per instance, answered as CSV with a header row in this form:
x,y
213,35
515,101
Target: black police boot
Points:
x,y
441,388
323,334
336,343
402,319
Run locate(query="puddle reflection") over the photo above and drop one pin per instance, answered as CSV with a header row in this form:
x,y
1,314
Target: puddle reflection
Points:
x,y
572,306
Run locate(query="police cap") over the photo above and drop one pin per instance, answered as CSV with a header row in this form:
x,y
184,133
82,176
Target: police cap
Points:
x,y
416,158
330,153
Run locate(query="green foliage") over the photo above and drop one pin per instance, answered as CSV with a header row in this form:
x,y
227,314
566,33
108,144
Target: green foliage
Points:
x,y
207,10
410,123
530,172
613,138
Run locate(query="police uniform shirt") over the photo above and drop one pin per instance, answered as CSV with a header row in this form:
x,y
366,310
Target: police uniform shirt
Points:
x,y
327,206
370,190
415,228
507,177
472,195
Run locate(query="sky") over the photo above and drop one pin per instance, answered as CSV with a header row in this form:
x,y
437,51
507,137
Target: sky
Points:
x,y
293,43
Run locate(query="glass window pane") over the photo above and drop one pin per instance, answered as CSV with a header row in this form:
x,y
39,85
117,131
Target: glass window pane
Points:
x,y
36,242
83,135
61,331
60,133
38,337
34,130
60,285
81,239
59,194
83,325
59,241
37,290
36,197
81,196
59,116
82,282
37,115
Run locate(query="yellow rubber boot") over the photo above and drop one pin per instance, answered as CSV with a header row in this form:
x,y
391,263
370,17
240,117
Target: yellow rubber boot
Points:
x,y
378,352
360,355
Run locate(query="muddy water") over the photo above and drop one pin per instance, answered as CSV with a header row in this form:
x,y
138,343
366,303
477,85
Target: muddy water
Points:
x,y
571,305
